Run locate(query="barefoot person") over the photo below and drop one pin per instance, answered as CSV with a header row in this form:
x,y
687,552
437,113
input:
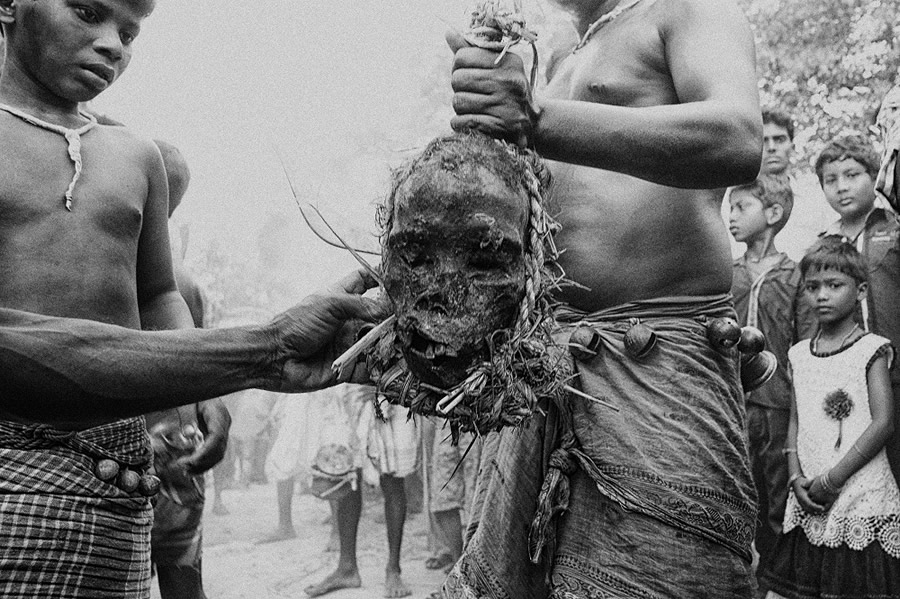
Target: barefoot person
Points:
x,y
649,116
392,445
84,236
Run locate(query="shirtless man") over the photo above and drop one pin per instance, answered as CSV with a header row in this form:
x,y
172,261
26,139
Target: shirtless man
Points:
x,y
644,122
83,235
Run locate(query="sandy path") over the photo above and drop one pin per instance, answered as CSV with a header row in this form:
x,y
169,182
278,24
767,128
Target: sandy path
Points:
x,y
235,567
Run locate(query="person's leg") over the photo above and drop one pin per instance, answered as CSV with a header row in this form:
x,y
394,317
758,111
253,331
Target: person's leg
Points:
x,y
223,477
180,582
346,576
395,518
285,530
775,481
176,549
449,523
334,539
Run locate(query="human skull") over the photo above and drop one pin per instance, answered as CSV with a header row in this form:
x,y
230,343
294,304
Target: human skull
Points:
x,y
454,253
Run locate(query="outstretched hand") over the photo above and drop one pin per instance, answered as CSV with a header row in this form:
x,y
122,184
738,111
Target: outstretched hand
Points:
x,y
307,333
493,98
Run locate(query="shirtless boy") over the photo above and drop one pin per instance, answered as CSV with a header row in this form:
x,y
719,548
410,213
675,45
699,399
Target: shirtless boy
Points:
x,y
83,234
644,122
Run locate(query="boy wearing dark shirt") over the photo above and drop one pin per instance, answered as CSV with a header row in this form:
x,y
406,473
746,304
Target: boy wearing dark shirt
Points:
x,y
767,295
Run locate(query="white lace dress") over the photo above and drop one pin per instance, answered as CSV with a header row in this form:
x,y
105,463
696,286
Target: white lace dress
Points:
x,y
868,508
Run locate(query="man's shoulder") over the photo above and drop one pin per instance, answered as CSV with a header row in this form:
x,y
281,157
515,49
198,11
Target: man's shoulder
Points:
x,y
128,138
720,9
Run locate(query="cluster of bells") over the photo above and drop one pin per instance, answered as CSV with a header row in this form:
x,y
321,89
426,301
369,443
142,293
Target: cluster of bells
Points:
x,y
724,334
126,479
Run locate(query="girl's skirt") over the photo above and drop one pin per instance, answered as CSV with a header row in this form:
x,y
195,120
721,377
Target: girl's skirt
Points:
x,y
800,570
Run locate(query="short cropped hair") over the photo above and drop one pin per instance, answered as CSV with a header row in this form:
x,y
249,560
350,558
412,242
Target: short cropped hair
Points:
x,y
833,252
771,190
780,118
851,146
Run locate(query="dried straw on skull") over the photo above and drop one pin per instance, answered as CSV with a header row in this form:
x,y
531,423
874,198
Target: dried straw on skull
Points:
x,y
468,261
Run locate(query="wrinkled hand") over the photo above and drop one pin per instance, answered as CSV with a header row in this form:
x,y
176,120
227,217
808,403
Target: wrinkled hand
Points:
x,y
215,422
306,334
491,98
801,490
209,453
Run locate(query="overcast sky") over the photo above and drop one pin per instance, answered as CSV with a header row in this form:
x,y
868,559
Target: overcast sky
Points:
x,y
328,86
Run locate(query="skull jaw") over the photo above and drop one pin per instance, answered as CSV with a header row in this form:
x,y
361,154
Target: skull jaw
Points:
x,y
443,372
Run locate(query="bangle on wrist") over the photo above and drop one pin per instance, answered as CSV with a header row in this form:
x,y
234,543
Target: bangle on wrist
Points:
x,y
793,478
828,485
788,450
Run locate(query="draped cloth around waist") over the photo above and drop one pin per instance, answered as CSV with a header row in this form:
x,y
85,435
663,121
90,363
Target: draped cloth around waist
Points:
x,y
674,453
63,531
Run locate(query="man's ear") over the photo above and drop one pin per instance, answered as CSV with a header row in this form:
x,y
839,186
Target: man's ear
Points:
x,y
774,213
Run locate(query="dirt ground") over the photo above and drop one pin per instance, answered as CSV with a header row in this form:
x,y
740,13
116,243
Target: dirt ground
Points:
x,y
236,567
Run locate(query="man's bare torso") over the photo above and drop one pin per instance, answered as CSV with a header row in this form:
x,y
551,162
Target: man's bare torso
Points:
x,y
80,263
626,238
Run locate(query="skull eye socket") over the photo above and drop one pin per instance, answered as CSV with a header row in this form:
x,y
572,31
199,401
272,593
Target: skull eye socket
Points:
x,y
486,261
415,258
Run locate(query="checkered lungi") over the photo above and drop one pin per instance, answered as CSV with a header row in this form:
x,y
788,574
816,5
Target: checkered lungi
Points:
x,y
64,532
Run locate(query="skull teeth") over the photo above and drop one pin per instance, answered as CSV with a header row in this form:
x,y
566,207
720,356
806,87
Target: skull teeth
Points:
x,y
433,350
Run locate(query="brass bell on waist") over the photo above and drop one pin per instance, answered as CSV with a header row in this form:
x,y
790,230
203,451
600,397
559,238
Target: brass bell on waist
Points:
x,y
752,340
148,485
640,340
128,480
757,369
584,343
106,469
723,333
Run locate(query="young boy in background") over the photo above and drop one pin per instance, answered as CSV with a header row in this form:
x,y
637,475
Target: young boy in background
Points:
x,y
847,169
767,295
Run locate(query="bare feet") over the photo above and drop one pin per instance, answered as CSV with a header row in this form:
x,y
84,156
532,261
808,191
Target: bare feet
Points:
x,y
394,585
282,533
336,581
438,561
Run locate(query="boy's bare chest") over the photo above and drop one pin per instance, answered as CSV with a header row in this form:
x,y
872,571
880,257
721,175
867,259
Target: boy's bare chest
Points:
x,y
36,171
625,68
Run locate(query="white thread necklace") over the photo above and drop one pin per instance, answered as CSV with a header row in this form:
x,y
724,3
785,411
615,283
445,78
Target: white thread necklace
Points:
x,y
73,139
603,20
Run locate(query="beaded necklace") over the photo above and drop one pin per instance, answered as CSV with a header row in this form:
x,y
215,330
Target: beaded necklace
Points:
x,y
815,343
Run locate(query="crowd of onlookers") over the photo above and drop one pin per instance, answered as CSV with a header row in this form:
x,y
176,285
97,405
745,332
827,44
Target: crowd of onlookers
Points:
x,y
810,512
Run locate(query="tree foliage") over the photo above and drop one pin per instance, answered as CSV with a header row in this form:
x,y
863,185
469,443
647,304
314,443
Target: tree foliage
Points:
x,y
828,63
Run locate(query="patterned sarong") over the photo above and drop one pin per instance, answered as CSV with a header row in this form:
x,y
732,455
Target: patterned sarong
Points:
x,y
64,532
658,497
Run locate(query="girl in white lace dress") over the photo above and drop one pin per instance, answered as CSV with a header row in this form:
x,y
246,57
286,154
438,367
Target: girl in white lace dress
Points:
x,y
842,522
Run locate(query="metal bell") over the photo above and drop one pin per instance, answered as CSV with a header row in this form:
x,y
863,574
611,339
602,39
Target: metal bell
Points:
x,y
757,369
106,469
640,340
723,333
148,485
128,480
584,343
752,341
